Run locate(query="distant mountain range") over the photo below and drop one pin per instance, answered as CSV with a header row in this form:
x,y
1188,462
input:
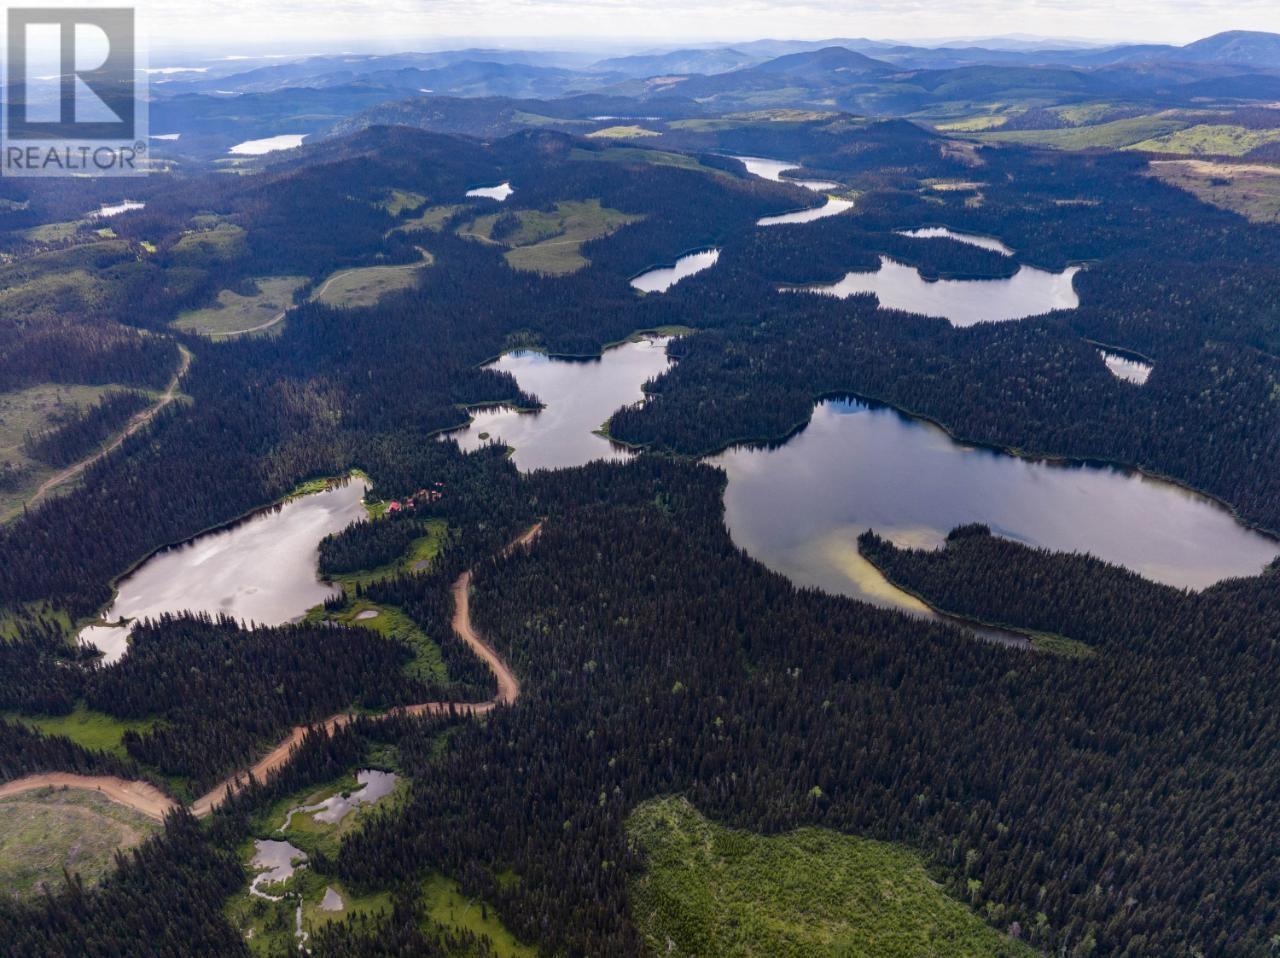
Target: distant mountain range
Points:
x,y
482,72
963,83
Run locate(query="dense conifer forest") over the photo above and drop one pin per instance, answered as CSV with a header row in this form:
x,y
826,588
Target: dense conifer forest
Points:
x,y
1115,804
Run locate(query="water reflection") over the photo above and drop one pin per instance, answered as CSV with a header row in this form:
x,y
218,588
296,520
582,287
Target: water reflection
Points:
x,y
800,507
374,785
499,192
270,144
1122,367
664,277
772,170
832,207
1029,292
578,396
970,239
260,570
106,211
274,862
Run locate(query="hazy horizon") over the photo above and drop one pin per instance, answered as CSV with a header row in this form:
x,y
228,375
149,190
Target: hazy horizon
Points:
x,y
297,27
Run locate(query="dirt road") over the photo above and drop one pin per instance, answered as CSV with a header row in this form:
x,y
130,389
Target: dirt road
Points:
x,y
508,692
149,800
136,423
140,796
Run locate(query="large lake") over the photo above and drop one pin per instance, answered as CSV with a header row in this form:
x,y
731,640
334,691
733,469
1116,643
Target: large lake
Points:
x,y
800,507
261,569
1029,292
578,396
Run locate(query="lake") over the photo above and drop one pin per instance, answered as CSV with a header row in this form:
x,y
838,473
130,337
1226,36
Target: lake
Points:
x,y
964,302
499,192
270,144
1122,367
970,239
115,209
772,170
799,507
832,207
261,569
664,277
578,397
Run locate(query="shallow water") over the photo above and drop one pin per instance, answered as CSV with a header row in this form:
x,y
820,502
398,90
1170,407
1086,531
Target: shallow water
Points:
x,y
1122,367
578,396
499,192
374,785
261,570
800,507
971,239
274,862
664,277
964,302
332,901
270,144
833,207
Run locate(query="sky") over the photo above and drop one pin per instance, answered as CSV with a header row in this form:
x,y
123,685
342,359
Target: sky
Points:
x,y
295,25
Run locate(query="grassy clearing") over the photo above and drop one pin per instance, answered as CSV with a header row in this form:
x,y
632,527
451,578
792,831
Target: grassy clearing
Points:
x,y
635,154
224,242
972,124
427,663
631,132
45,831
1208,140
432,218
710,890
550,242
54,232
446,905
401,201
1112,136
1252,190
95,730
38,408
46,285
1061,645
270,925
735,121
357,288
33,410
12,618
311,836
235,313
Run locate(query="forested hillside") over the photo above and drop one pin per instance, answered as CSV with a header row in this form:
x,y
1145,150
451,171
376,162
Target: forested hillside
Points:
x,y
1118,803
